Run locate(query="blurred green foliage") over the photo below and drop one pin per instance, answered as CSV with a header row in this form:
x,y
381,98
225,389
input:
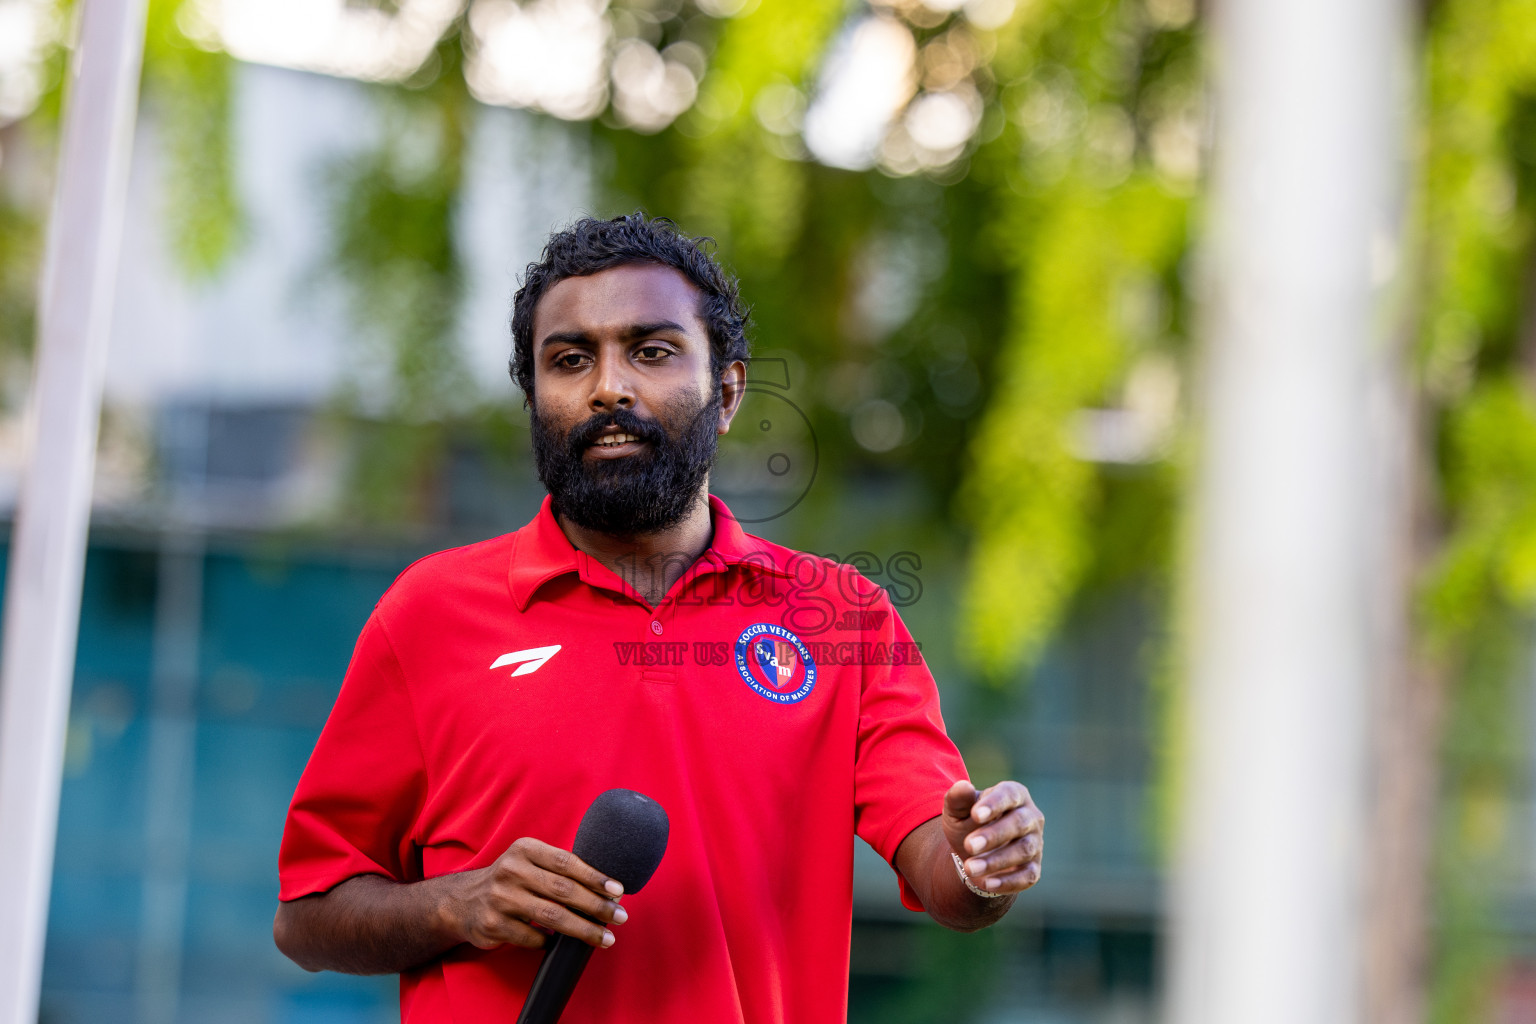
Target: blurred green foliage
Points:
x,y
190,88
20,256
749,197
393,244
1032,498
1093,286
393,234
1476,354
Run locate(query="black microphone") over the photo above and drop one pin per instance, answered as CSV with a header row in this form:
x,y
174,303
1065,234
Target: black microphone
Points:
x,y
623,835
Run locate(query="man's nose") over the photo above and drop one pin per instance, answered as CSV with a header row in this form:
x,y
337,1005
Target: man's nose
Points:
x,y
612,387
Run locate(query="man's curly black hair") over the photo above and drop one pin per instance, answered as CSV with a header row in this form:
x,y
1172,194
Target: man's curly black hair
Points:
x,y
592,245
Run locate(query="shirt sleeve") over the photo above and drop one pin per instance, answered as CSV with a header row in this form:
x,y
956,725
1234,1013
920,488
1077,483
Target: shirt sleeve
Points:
x,y
356,806
905,761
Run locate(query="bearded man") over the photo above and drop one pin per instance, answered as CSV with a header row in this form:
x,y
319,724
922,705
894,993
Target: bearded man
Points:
x,y
488,702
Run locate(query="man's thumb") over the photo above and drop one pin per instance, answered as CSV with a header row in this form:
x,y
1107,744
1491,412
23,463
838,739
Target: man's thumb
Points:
x,y
958,801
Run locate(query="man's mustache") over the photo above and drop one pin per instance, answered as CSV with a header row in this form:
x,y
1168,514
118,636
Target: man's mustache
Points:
x,y
585,434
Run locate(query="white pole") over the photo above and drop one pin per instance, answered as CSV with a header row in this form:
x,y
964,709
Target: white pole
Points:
x,y
171,766
1268,887
42,597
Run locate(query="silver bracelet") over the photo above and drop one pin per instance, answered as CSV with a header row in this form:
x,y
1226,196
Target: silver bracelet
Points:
x,y
960,867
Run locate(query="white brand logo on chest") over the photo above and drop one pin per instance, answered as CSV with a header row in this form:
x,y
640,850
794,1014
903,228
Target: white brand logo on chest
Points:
x,y
528,661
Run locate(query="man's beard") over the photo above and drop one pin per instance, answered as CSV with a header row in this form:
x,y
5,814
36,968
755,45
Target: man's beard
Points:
x,y
647,492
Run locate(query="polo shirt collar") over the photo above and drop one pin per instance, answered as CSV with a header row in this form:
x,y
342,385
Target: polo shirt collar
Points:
x,y
542,552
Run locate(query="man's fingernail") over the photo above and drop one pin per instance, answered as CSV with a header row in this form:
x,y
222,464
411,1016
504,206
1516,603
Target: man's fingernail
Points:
x,y
620,916
607,938
975,866
983,813
976,844
614,887
993,883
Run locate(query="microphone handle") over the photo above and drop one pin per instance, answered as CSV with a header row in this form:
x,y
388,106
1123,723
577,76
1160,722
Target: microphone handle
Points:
x,y
564,960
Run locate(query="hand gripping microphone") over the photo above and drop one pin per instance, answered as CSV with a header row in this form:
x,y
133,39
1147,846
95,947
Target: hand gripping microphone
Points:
x,y
623,835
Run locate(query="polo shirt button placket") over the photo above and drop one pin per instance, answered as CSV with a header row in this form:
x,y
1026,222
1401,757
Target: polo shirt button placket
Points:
x,y
660,673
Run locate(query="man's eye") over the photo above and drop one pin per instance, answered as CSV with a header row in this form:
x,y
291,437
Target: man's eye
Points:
x,y
653,352
571,360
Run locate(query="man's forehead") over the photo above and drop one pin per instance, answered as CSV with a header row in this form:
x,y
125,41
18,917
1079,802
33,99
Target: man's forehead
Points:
x,y
617,298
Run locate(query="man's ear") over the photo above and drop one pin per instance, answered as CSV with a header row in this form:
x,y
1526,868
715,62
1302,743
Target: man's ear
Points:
x,y
733,388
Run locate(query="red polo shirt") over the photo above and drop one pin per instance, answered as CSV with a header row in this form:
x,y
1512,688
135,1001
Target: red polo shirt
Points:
x,y
774,704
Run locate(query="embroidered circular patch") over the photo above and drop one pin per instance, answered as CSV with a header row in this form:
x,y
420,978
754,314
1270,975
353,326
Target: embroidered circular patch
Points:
x,y
774,662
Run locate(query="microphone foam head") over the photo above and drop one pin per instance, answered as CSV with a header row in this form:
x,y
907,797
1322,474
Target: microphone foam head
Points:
x,y
623,835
